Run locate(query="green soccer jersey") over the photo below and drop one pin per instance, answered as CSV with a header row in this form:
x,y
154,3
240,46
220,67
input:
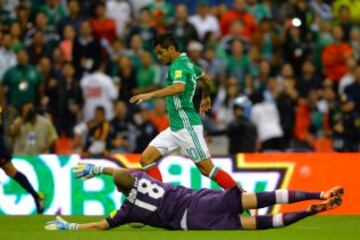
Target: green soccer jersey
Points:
x,y
180,107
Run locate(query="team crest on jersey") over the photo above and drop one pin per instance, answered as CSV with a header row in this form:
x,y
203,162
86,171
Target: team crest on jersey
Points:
x,y
178,74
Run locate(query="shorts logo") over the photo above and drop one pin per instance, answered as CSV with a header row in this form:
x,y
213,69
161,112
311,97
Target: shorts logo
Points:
x,y
178,74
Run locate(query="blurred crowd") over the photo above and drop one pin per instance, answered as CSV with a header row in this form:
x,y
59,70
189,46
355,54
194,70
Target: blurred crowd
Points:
x,y
286,74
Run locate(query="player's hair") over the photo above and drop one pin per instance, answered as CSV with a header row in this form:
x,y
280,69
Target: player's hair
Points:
x,y
166,40
123,180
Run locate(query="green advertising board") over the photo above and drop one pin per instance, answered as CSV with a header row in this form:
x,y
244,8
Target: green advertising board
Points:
x,y
52,175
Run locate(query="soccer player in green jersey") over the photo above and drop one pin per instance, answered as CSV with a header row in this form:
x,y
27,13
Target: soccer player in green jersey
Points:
x,y
185,129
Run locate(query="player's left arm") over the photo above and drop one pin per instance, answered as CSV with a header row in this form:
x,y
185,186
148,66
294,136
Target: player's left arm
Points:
x,y
205,104
59,224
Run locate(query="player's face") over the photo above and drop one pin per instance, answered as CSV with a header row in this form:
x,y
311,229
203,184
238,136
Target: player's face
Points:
x,y
163,55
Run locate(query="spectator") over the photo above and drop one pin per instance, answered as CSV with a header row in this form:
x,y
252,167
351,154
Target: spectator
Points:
x,y
353,6
32,133
144,30
226,95
7,56
54,12
146,129
286,102
23,17
334,56
234,34
127,77
98,136
241,132
16,42
164,8
239,13
123,130
216,66
148,75
260,82
238,65
51,37
86,50
265,116
183,30
98,90
136,48
355,42
345,21
353,91
267,41
349,77
104,29
321,9
296,49
260,9
24,89
347,128
50,89
113,8
308,79
310,122
70,100
204,22
38,49
67,44
74,19
159,116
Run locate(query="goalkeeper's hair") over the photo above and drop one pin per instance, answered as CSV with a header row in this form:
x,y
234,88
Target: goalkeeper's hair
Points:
x,y
166,40
123,180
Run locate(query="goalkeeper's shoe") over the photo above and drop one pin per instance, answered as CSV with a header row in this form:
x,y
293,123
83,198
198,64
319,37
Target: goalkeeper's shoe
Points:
x,y
60,225
40,203
328,204
337,191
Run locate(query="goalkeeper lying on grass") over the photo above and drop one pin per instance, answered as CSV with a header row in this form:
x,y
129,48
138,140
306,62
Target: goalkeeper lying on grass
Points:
x,y
158,204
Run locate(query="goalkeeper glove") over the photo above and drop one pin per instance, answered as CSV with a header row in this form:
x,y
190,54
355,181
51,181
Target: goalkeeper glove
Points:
x,y
60,225
85,171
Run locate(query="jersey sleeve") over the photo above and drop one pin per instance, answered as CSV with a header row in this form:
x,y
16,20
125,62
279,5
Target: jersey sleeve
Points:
x,y
198,71
178,74
117,218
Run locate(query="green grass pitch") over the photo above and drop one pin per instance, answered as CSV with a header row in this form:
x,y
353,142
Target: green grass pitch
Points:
x,y
317,228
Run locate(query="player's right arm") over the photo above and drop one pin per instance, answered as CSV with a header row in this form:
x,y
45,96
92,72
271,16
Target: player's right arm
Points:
x,y
174,89
85,171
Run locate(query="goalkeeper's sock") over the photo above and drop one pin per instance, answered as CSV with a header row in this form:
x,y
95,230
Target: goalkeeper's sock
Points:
x,y
222,178
265,199
153,171
280,220
24,182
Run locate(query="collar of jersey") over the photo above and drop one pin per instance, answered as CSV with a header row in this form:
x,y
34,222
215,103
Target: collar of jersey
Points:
x,y
182,55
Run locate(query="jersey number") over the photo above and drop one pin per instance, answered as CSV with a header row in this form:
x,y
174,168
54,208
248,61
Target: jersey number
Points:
x,y
152,190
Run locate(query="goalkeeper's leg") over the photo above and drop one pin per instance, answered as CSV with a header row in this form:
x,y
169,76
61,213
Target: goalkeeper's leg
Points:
x,y
285,219
282,196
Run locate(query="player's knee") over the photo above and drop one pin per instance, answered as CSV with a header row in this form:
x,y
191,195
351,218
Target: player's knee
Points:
x,y
144,160
9,171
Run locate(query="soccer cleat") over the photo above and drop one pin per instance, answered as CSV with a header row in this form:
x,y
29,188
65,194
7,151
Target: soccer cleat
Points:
x,y
337,191
40,203
328,204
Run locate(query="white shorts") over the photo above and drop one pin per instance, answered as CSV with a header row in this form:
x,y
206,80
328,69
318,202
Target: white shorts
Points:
x,y
191,140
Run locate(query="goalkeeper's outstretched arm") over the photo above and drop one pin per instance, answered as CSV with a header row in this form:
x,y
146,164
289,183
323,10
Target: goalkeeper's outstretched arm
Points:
x,y
59,224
